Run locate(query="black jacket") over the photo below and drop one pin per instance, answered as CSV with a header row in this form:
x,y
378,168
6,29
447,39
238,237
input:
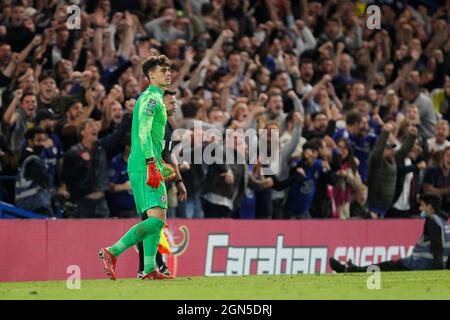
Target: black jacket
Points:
x,y
84,177
382,175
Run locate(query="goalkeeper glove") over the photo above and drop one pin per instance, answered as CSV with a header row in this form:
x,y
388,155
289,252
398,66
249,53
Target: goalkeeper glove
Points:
x,y
154,177
168,171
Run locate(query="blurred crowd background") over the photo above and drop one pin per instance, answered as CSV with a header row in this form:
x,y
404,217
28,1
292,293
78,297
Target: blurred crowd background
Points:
x,y
362,114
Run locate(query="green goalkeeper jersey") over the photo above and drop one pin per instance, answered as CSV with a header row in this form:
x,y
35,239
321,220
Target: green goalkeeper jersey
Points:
x,y
147,129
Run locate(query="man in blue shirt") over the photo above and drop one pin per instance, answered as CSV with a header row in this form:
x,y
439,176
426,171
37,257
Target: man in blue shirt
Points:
x,y
306,175
120,199
362,141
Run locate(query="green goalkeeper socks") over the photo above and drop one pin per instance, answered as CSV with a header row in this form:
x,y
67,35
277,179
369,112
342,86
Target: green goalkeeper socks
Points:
x,y
150,245
150,227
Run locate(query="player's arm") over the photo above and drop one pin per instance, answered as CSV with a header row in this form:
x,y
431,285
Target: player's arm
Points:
x,y
146,114
147,109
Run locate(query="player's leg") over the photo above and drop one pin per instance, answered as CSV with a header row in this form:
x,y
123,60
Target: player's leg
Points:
x,y
141,252
137,233
146,250
160,264
158,201
151,226
162,267
151,243
145,198
151,248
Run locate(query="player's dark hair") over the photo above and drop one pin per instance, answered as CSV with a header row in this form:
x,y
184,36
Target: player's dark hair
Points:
x,y
154,61
31,133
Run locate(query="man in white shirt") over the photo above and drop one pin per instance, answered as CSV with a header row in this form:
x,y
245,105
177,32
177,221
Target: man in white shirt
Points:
x,y
439,142
406,185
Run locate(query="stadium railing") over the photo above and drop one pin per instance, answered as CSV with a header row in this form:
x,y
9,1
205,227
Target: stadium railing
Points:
x,y
8,211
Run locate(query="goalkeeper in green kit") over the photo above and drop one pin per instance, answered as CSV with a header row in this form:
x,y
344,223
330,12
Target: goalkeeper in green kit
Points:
x,y
147,171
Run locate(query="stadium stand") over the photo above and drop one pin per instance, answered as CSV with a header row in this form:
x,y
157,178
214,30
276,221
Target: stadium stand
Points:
x,y
356,108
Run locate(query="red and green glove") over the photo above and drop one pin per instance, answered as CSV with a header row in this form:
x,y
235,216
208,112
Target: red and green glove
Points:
x,y
168,171
154,177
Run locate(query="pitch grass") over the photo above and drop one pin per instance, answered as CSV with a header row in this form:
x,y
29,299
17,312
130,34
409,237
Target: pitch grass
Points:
x,y
394,285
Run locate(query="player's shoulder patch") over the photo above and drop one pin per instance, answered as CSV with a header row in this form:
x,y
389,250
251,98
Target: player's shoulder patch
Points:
x,y
150,107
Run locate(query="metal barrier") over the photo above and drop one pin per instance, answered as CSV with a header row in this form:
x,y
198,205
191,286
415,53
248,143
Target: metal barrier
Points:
x,y
8,211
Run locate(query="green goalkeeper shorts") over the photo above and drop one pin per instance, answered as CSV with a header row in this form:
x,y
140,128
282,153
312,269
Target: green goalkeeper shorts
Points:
x,y
147,197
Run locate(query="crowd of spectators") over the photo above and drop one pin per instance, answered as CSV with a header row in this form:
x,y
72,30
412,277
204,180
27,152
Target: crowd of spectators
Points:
x,y
362,114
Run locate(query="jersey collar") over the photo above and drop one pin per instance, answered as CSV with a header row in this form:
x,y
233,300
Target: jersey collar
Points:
x,y
155,89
